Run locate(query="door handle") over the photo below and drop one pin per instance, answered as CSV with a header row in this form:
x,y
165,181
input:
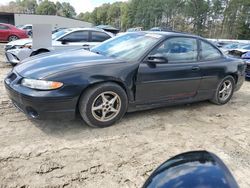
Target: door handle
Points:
x,y
195,68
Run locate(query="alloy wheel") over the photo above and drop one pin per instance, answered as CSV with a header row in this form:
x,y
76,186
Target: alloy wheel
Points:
x,y
106,106
13,38
225,90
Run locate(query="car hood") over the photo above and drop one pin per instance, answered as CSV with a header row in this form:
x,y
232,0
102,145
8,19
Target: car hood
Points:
x,y
240,50
20,42
43,65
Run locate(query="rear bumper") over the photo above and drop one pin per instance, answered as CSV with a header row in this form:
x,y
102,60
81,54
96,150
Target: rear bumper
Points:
x,y
41,104
240,81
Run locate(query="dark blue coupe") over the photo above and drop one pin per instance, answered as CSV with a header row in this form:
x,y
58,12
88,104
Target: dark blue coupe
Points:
x,y
130,72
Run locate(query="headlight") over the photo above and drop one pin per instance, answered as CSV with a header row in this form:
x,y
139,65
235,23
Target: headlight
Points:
x,y
26,46
40,84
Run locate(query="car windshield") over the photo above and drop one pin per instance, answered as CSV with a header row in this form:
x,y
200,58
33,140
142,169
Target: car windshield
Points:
x,y
19,26
58,34
129,47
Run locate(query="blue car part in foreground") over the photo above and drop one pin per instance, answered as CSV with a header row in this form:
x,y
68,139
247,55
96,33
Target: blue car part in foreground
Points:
x,y
196,169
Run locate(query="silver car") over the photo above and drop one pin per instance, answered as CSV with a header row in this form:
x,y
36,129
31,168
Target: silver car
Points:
x,y
73,38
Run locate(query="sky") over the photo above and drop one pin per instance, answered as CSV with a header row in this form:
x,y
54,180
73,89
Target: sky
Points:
x,y
79,5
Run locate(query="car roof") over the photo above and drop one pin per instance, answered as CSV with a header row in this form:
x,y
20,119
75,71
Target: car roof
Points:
x,y
27,25
169,33
84,28
7,24
88,29
175,33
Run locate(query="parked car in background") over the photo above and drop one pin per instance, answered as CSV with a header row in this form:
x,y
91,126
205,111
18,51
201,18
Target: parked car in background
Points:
x,y
231,46
135,29
64,39
27,28
134,71
58,29
11,33
160,29
238,52
219,44
108,28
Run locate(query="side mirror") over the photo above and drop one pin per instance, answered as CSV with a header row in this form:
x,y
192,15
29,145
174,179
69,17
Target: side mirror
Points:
x,y
192,169
157,59
64,41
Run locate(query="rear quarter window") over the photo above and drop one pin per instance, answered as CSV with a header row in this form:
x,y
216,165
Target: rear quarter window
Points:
x,y
3,27
209,52
99,36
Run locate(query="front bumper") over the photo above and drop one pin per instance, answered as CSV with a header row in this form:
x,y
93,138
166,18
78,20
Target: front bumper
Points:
x,y
40,104
11,58
15,56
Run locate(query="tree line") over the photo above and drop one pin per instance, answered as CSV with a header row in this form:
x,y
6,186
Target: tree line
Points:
x,y
44,7
209,18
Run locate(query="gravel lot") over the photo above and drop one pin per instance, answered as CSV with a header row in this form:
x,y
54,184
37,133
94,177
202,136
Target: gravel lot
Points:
x,y
70,154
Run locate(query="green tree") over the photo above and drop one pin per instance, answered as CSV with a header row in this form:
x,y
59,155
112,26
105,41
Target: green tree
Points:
x,y
67,10
124,16
197,11
27,6
209,18
47,8
236,19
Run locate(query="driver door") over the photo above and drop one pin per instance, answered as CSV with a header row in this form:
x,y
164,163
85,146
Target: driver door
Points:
x,y
176,78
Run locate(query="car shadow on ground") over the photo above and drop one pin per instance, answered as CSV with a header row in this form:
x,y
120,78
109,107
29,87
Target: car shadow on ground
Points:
x,y
130,123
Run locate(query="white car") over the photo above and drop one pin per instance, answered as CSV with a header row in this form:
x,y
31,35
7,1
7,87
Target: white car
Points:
x,y
73,38
27,28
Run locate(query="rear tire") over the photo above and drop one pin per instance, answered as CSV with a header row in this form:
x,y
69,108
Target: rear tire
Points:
x,y
12,38
224,91
103,105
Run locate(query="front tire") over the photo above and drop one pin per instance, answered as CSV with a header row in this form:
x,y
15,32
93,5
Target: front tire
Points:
x,y
224,91
103,105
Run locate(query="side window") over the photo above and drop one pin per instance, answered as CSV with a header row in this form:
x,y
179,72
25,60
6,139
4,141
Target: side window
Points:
x,y
3,27
77,36
208,52
99,36
178,49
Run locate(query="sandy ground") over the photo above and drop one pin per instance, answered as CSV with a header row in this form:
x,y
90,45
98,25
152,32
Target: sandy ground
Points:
x,y
70,154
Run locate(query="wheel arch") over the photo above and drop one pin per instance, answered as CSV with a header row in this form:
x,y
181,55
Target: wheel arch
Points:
x,y
235,76
97,82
